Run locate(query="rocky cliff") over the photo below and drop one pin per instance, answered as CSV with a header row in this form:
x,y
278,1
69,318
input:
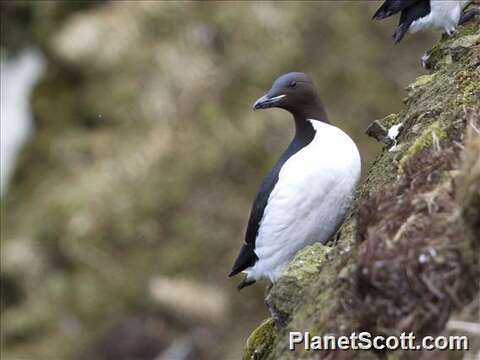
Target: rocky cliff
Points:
x,y
407,257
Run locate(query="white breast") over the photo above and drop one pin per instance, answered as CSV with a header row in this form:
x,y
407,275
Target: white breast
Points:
x,y
444,14
314,191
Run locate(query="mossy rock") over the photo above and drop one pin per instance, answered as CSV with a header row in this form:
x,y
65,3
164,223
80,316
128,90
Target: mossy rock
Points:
x,y
300,273
429,137
389,121
259,343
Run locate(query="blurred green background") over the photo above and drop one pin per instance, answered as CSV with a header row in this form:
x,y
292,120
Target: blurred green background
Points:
x,y
130,157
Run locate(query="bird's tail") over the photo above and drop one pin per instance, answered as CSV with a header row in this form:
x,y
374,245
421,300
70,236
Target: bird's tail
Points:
x,y
382,13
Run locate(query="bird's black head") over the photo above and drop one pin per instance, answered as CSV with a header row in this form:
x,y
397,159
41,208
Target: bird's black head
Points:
x,y
296,93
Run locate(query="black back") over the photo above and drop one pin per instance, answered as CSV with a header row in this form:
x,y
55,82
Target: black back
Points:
x,y
408,16
392,7
411,10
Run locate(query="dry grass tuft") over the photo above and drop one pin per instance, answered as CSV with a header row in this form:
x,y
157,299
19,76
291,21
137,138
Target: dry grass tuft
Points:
x,y
469,181
415,264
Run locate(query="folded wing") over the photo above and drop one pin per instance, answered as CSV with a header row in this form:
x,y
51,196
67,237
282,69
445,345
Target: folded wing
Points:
x,y
392,7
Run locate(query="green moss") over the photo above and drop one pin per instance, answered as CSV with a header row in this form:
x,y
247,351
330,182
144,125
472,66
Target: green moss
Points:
x,y
259,343
467,41
469,84
434,132
301,272
307,263
421,81
442,54
389,121
470,28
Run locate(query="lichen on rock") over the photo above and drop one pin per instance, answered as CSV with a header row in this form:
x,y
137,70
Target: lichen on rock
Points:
x,y
431,136
259,343
300,273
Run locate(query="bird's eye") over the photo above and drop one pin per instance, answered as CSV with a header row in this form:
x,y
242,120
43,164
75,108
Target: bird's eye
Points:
x,y
292,84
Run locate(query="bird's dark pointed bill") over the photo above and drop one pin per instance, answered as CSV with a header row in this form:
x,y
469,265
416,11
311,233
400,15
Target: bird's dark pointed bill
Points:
x,y
267,102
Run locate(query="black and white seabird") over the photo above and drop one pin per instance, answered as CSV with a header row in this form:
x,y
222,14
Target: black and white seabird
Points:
x,y
417,15
307,194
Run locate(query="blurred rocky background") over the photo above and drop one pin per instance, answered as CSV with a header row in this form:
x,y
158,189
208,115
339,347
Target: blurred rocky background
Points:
x,y
130,156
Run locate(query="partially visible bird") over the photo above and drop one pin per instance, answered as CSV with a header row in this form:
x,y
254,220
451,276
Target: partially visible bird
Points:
x,y
307,194
417,15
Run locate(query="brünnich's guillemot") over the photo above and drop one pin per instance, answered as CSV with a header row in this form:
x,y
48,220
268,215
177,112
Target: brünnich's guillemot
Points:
x,y
418,15
307,194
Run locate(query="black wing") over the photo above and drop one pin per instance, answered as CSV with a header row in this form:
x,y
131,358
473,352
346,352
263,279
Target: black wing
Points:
x,y
392,7
247,256
408,16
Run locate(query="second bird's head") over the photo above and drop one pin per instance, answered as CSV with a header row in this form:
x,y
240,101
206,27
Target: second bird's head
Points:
x,y
294,92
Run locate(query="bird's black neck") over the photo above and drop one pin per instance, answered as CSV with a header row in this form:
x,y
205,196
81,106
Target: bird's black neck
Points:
x,y
303,127
304,131
312,111
304,134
